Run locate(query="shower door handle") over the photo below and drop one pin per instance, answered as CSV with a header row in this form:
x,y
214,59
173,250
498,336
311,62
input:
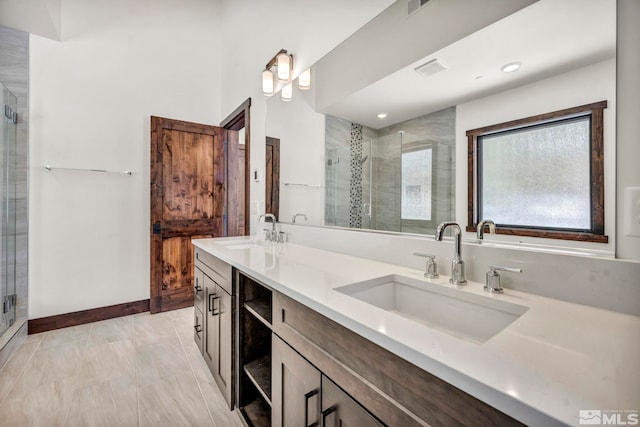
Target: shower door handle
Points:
x,y
366,209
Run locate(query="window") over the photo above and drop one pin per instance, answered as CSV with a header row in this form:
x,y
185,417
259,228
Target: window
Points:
x,y
416,184
542,176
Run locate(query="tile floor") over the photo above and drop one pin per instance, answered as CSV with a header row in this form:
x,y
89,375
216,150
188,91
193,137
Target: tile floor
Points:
x,y
140,370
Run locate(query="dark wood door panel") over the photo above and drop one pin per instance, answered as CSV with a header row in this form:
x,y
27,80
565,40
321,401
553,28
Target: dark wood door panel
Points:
x,y
189,191
188,177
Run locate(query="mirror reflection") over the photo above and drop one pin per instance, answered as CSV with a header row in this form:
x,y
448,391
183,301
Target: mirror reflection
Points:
x,y
384,155
397,178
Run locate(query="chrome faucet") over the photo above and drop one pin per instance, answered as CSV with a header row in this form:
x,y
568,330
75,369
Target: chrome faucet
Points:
x,y
480,228
457,265
271,236
293,220
493,278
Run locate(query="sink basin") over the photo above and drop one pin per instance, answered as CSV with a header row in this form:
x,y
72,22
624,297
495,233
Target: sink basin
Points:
x,y
468,316
246,244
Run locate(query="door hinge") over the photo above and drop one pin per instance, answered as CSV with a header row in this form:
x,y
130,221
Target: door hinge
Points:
x,y
9,302
157,229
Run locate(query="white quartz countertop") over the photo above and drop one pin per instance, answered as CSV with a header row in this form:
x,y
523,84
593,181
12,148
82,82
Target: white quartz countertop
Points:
x,y
556,359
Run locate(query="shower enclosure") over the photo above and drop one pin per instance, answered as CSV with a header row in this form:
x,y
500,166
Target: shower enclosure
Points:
x,y
8,134
399,178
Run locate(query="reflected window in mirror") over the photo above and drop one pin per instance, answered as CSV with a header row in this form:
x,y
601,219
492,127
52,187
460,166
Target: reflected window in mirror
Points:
x,y
416,183
541,176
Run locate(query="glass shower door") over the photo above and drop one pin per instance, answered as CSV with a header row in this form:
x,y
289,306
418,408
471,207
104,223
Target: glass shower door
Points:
x,y
8,134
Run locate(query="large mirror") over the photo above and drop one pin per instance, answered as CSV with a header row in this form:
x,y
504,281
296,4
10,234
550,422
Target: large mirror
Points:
x,y
379,143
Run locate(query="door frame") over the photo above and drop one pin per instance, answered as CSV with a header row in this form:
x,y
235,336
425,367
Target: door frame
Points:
x,y
238,119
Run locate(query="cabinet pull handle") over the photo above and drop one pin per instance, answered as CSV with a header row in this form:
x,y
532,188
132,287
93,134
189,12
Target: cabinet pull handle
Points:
x,y
308,396
212,308
326,414
197,328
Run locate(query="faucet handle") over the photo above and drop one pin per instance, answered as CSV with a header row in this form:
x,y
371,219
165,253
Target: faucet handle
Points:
x,y
431,267
493,278
267,234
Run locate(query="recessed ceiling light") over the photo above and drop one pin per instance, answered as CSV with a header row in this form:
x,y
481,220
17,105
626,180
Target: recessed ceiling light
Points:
x,y
510,67
382,115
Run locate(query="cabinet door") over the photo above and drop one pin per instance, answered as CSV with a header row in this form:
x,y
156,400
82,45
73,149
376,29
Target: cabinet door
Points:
x,y
340,410
210,349
223,310
198,289
217,350
198,326
295,388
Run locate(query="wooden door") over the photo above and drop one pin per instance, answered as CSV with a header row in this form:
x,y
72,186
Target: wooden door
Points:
x,y
272,177
295,388
190,184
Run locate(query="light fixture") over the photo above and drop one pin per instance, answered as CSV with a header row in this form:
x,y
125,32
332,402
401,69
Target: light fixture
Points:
x,y
287,92
284,65
382,115
304,80
267,82
510,67
283,61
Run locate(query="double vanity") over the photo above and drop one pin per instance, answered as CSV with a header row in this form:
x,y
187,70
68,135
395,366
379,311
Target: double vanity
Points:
x,y
312,337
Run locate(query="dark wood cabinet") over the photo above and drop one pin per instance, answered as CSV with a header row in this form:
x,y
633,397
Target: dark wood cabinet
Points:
x,y
218,345
198,308
296,391
254,351
285,364
340,410
214,314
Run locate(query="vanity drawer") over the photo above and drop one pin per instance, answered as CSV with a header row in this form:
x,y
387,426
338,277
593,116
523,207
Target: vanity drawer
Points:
x,y
216,269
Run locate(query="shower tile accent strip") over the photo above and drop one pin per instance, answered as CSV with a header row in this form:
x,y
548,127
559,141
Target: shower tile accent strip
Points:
x,y
355,187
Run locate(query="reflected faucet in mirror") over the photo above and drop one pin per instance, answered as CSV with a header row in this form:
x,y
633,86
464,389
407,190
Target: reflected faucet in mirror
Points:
x,y
480,228
457,265
293,219
271,236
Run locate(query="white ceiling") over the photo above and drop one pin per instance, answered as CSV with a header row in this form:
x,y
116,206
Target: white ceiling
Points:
x,y
549,37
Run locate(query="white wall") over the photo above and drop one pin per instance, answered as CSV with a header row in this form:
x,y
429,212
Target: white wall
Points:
x,y
586,85
302,160
92,94
255,31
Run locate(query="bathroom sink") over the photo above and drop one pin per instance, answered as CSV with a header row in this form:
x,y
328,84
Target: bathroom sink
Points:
x,y
246,244
461,314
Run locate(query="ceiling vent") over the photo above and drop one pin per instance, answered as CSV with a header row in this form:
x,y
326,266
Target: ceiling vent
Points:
x,y
415,5
430,68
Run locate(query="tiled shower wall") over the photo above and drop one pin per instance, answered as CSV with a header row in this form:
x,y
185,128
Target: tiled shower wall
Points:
x,y
384,148
436,130
14,73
